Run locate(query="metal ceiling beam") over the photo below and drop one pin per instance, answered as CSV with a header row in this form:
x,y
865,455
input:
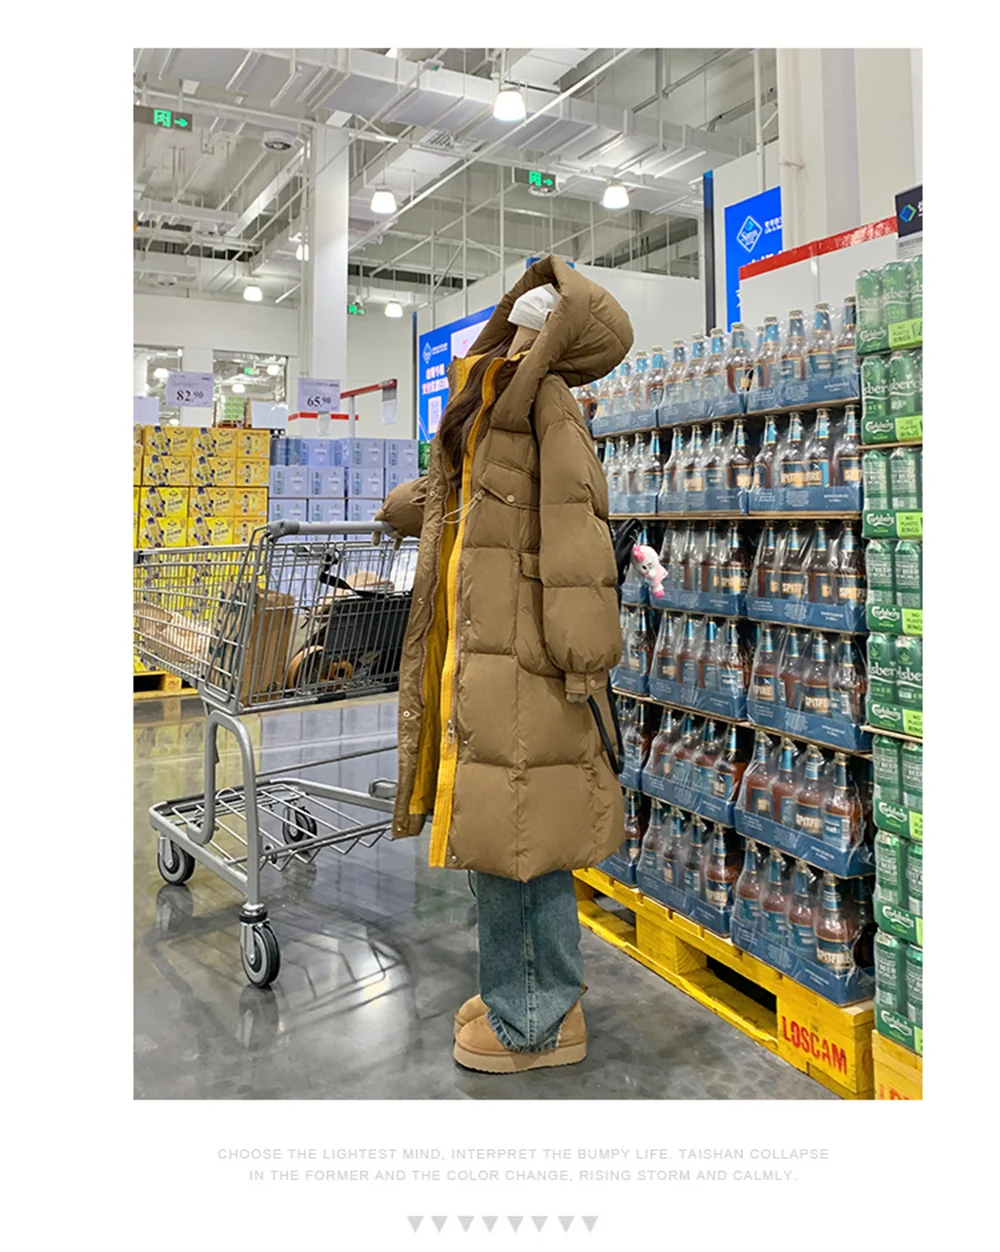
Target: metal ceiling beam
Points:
x,y
687,78
494,147
260,202
186,212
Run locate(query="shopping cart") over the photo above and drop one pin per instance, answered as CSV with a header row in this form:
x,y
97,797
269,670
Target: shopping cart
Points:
x,y
304,614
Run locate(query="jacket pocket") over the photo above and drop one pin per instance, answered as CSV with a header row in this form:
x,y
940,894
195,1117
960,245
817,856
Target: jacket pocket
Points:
x,y
511,486
529,639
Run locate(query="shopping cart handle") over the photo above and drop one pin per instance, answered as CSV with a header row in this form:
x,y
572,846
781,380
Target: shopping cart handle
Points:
x,y
285,527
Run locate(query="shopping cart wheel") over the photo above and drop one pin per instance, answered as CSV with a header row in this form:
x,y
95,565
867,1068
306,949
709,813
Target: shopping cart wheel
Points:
x,y
262,964
176,866
297,824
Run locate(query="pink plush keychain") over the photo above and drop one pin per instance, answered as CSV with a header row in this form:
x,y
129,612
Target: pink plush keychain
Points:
x,y
647,562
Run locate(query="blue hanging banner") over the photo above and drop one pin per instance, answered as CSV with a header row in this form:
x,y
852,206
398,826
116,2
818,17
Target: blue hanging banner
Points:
x,y
752,231
435,352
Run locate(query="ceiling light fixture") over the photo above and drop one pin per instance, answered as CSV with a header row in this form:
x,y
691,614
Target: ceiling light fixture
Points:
x,y
160,372
394,309
383,201
615,196
274,370
238,388
253,293
509,105
302,252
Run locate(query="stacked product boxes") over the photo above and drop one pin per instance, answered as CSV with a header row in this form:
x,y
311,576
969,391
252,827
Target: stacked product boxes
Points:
x,y
336,480
199,486
890,342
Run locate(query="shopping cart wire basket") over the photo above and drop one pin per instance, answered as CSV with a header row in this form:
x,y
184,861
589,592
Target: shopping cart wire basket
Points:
x,y
304,614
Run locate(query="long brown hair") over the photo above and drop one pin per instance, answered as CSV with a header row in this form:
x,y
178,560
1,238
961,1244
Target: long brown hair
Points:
x,y
456,422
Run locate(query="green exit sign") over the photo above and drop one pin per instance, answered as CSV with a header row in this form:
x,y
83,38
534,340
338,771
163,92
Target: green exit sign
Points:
x,y
537,180
356,310
166,119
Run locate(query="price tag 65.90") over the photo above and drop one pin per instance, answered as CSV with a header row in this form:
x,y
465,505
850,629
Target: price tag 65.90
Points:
x,y
319,395
185,387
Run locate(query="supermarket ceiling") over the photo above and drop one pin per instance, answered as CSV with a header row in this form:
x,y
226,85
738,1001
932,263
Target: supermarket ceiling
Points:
x,y
218,200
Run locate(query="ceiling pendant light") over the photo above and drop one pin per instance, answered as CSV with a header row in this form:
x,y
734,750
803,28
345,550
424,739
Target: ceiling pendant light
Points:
x,y
238,389
615,196
161,373
383,201
509,105
302,252
394,309
253,293
274,370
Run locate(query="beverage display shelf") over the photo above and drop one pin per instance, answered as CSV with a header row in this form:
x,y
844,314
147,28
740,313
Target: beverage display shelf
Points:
x,y
897,1054
854,862
700,516
891,619
829,731
892,523
685,799
682,708
853,987
864,753
897,819
799,515
700,612
903,443
893,734
898,921
831,1044
812,407
632,430
753,415
839,619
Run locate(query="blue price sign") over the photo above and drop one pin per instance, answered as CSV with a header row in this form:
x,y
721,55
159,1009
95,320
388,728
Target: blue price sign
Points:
x,y
752,232
435,352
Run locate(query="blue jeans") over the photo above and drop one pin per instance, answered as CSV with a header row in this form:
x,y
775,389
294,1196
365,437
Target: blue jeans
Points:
x,y
530,966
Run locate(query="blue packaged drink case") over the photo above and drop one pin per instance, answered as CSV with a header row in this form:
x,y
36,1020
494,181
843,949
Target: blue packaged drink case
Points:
x,y
749,888
845,362
820,357
801,933
773,902
834,942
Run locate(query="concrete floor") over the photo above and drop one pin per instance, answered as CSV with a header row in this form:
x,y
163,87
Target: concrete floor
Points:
x,y
377,953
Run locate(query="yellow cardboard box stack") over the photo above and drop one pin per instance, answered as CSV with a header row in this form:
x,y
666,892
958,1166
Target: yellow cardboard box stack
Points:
x,y
199,486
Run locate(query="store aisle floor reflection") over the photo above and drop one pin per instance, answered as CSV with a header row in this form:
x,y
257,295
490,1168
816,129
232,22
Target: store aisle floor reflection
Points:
x,y
377,953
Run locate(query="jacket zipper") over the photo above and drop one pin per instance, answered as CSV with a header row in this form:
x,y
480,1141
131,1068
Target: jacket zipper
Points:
x,y
449,678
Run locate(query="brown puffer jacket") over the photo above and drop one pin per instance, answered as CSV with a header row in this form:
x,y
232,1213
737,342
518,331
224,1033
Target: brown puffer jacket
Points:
x,y
514,606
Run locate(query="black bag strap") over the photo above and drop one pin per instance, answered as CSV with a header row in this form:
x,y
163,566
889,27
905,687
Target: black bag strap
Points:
x,y
617,762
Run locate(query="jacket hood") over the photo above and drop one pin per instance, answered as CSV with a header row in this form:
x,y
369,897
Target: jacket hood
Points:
x,y
586,335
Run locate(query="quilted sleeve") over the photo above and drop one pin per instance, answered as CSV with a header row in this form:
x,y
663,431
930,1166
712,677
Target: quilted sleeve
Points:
x,y
403,508
576,558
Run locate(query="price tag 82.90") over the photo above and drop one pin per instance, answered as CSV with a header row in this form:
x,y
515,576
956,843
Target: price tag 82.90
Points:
x,y
190,390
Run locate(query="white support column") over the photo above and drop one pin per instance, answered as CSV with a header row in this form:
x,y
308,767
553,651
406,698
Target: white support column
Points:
x,y
818,143
327,295
140,365
890,126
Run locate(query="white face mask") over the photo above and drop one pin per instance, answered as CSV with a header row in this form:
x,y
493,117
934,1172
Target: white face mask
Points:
x,y
531,309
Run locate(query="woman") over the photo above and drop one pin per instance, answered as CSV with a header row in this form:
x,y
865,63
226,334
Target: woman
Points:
x,y
505,728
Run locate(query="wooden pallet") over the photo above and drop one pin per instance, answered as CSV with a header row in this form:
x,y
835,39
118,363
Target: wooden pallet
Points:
x,y
831,1044
899,1073
156,684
